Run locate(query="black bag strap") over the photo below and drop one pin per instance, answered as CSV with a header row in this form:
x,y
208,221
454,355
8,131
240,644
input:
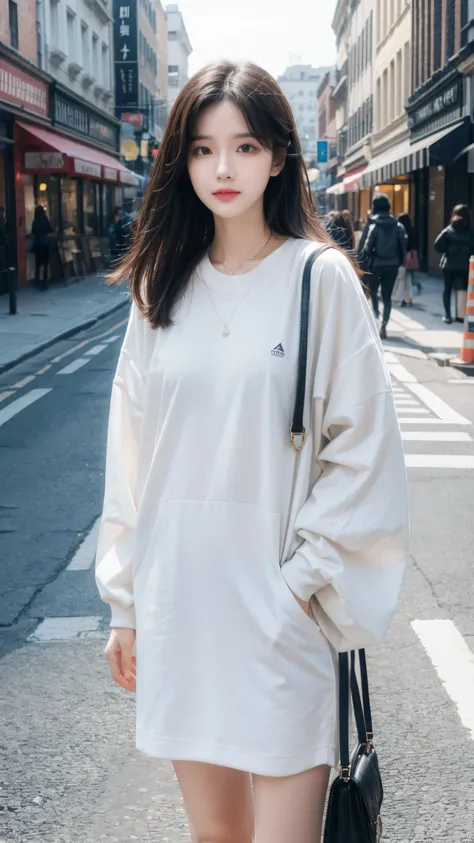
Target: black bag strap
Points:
x,y
297,429
349,689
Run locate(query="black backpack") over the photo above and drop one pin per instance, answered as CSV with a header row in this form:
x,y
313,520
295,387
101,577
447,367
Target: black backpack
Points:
x,y
386,245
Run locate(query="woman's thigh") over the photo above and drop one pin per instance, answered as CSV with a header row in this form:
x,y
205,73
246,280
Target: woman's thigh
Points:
x,y
218,802
290,808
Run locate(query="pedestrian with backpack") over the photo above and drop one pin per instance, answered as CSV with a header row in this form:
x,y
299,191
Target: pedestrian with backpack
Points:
x,y
456,243
385,249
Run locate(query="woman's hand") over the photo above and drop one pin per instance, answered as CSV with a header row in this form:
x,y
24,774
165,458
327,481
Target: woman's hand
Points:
x,y
304,605
118,653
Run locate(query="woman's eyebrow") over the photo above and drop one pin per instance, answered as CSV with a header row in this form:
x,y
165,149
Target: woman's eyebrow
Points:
x,y
234,137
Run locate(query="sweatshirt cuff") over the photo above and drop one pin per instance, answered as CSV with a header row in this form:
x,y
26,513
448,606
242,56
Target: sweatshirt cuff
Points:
x,y
123,616
303,579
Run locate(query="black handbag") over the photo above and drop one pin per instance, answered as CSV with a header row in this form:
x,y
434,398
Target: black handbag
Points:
x,y
356,795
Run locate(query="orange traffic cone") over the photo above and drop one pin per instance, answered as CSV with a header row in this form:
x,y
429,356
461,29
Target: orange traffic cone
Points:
x,y
466,358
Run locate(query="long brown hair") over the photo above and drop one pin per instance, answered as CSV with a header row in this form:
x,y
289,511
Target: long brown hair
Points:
x,y
461,217
174,228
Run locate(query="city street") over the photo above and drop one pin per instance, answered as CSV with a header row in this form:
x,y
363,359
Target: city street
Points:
x,y
69,771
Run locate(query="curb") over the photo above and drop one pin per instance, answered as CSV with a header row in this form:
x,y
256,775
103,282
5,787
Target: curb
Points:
x,y
64,335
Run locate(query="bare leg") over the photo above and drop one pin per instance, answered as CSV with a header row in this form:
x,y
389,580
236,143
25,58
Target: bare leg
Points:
x,y
290,808
218,802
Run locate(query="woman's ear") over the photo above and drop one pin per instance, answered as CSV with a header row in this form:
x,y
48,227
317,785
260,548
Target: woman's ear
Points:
x,y
279,160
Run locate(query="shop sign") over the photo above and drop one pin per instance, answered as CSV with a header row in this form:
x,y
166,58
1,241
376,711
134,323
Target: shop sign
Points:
x,y
44,161
109,173
87,168
442,102
79,119
22,90
134,118
127,177
126,53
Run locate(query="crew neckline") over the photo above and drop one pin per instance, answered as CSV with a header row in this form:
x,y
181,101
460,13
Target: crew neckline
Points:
x,y
213,276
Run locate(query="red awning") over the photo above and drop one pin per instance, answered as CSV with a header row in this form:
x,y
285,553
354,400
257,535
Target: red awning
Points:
x,y
81,160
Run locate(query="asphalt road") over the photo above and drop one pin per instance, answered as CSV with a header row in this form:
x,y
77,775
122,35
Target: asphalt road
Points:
x,y
69,771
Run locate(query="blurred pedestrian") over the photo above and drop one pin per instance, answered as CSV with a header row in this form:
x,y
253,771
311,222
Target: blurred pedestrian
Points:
x,y
120,233
236,577
341,229
410,278
456,243
385,249
41,230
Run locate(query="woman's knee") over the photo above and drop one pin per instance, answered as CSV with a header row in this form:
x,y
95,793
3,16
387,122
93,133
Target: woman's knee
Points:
x,y
223,835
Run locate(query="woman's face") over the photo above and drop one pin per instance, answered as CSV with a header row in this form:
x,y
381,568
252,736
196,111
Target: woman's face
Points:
x,y
229,169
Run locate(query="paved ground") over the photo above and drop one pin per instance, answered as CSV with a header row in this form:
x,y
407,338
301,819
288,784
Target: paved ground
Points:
x,y
44,317
70,773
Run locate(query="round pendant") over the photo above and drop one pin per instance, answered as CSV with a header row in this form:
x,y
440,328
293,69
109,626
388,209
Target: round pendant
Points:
x,y
225,331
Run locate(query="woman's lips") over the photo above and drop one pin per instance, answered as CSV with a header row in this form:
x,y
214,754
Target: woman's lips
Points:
x,y
226,195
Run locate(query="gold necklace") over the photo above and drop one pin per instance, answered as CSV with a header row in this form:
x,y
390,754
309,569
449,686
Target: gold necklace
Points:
x,y
248,259
225,325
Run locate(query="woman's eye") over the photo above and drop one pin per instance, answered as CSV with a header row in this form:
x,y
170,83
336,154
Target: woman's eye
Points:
x,y
247,147
201,150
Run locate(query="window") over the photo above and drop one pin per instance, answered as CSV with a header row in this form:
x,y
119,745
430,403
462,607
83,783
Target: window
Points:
x,y
378,116
71,47
85,47
90,206
173,68
399,85
69,207
450,28
54,11
379,20
392,90
95,57
13,18
406,72
438,27
39,38
105,67
384,98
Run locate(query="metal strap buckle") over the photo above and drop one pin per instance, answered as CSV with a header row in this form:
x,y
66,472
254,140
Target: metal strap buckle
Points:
x,y
346,773
297,439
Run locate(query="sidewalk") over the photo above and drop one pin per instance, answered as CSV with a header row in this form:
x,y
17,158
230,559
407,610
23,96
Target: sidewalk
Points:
x,y
44,318
421,326
60,312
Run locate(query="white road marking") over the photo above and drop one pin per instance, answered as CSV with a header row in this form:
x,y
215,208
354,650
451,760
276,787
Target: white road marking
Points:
x,y
85,554
436,404
24,382
415,420
406,402
112,339
20,404
421,411
453,661
401,374
96,349
439,460
64,629
390,357
74,366
5,395
441,436
466,382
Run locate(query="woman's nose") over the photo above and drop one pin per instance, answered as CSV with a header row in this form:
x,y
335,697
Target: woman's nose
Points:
x,y
224,167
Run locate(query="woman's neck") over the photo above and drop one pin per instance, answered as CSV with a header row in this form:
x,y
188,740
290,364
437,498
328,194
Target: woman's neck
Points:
x,y
236,241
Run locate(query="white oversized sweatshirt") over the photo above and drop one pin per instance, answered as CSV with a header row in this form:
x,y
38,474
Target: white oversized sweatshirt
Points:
x,y
210,517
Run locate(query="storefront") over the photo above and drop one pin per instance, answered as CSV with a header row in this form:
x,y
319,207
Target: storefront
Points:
x,y
24,93
77,183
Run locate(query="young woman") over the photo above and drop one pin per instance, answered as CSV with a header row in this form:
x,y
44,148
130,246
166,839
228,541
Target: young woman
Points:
x,y
456,242
237,565
409,279
41,229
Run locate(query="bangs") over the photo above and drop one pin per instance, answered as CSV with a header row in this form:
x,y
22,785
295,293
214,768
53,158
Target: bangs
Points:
x,y
262,122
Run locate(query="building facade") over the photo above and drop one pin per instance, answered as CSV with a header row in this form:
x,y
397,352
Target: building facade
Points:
x,y
179,50
341,28
300,84
141,78
326,157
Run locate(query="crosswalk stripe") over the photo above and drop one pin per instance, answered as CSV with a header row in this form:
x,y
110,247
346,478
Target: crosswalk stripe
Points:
x,y
20,403
453,661
74,366
437,436
439,460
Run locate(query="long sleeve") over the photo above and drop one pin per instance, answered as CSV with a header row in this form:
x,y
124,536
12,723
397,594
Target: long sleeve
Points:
x,y
114,552
354,524
441,243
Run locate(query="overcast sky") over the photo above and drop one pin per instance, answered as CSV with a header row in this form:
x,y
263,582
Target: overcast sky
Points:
x,y
272,33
